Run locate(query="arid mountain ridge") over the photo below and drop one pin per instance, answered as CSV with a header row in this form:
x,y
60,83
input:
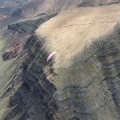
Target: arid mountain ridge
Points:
x,y
36,7
81,82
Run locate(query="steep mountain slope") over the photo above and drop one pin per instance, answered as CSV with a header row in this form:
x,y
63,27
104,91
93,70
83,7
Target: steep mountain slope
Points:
x,y
30,8
18,33
81,82
86,66
55,6
13,10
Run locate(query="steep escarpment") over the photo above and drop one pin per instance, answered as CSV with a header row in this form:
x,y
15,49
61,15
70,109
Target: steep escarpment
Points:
x,y
17,34
80,82
31,92
86,65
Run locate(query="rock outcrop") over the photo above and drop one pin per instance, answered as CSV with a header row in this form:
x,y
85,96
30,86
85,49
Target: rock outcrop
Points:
x,y
31,96
19,32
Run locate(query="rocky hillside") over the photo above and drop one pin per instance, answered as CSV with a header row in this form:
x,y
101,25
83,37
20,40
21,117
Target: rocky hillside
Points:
x,y
86,66
14,10
81,81
18,33
30,8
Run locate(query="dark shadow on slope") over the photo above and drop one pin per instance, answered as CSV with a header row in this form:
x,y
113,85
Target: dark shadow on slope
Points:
x,y
32,93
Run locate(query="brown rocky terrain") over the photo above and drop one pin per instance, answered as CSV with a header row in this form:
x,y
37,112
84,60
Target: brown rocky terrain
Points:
x,y
81,81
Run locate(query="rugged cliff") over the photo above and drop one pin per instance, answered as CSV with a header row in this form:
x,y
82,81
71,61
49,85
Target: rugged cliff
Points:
x,y
80,82
18,33
30,91
86,67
